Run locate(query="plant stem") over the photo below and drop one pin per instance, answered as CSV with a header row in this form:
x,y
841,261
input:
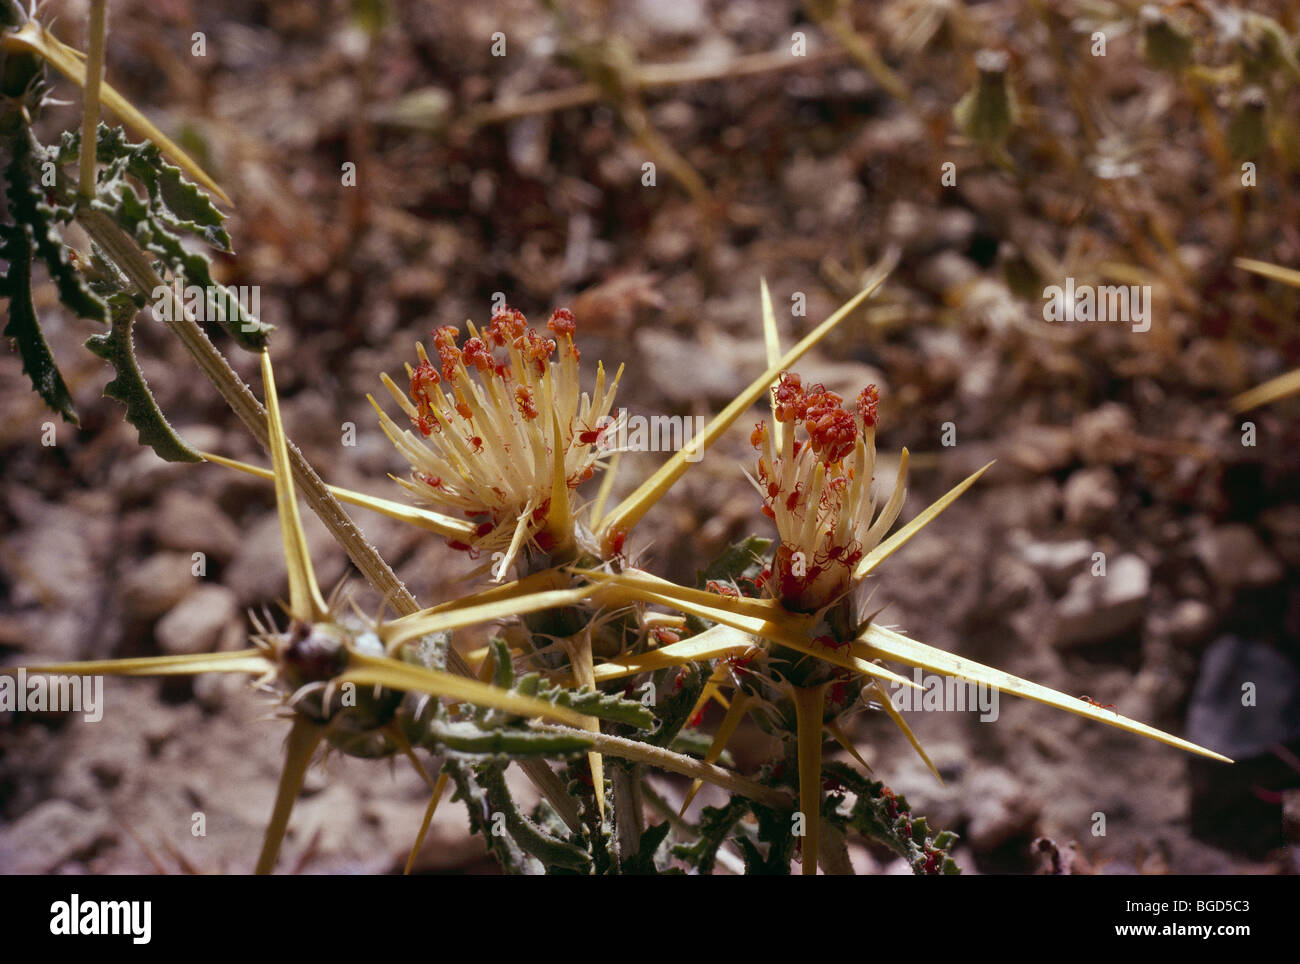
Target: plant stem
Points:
x,y
678,763
90,111
136,266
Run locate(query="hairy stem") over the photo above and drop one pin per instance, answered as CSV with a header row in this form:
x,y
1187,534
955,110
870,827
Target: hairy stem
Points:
x,y
678,763
94,76
137,267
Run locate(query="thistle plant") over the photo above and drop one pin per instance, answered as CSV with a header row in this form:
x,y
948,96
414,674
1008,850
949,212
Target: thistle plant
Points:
x,y
597,671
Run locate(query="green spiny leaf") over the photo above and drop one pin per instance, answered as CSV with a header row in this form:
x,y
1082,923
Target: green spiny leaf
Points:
x,y
605,706
130,387
172,208
24,327
881,815
643,861
715,826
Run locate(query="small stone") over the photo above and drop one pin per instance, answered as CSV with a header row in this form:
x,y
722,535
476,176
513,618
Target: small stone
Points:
x,y
49,835
1057,562
157,585
1190,622
1283,525
999,810
1097,608
198,623
1090,497
1041,448
1218,716
685,371
1105,435
257,574
190,523
1236,557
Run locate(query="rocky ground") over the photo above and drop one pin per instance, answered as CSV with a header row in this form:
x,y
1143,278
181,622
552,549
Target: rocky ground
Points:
x,y
1108,441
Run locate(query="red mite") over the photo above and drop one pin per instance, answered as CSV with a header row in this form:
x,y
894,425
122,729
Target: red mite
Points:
x,y
617,539
665,637
1101,706
592,436
792,500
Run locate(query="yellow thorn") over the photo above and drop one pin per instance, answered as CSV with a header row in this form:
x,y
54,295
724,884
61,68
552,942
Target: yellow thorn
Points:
x,y
305,601
632,509
429,811
735,713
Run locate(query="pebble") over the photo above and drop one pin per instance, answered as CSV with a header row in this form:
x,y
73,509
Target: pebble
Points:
x,y
1236,557
157,585
1097,608
49,835
190,523
199,622
1090,497
1057,562
1218,716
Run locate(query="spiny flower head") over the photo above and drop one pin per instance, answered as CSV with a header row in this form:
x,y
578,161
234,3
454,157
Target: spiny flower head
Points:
x,y
502,431
817,489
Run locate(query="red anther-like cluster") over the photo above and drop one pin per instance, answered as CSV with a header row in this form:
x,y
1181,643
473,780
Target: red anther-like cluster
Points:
x,y
562,322
476,353
535,348
832,431
833,434
868,399
818,402
757,436
789,397
444,340
423,379
506,325
525,401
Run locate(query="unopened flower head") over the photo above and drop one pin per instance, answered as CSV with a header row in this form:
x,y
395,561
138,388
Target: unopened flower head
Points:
x,y
497,419
817,490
